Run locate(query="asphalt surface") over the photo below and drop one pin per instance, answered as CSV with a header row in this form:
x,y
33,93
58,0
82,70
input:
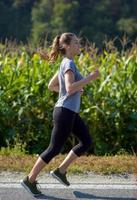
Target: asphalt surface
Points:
x,y
83,187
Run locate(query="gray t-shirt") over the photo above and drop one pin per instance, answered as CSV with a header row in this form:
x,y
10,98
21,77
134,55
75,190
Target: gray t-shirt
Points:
x,y
71,102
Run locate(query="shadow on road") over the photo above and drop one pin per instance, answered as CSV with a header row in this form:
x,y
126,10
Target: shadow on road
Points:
x,y
82,195
47,197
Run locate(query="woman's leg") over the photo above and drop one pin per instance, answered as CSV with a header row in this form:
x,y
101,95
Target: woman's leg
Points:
x,y
58,137
67,161
39,165
81,131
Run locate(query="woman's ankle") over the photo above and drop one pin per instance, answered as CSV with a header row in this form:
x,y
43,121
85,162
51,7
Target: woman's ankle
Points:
x,y
62,171
31,179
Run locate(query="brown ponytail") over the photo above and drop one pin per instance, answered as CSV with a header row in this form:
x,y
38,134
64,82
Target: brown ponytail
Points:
x,y
55,49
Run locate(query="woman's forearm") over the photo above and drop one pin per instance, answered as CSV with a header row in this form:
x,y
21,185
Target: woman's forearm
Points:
x,y
54,88
77,86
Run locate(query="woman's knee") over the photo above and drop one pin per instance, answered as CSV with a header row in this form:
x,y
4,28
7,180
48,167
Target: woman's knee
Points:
x,y
85,145
82,147
49,153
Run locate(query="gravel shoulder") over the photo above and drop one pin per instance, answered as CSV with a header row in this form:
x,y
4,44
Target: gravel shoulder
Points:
x,y
15,177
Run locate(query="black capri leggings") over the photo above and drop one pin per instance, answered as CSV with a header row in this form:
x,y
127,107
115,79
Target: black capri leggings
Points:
x,y
66,121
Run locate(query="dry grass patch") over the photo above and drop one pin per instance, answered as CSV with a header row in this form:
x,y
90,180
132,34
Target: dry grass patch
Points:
x,y
97,164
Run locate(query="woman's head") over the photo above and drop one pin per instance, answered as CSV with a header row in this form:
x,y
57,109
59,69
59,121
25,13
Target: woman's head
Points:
x,y
65,44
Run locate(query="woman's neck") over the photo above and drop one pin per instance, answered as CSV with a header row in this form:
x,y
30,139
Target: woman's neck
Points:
x,y
69,56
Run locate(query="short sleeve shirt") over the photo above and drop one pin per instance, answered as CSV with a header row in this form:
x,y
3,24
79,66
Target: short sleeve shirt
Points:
x,y
71,102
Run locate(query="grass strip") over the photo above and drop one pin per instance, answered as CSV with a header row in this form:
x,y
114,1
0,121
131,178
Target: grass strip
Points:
x,y
98,164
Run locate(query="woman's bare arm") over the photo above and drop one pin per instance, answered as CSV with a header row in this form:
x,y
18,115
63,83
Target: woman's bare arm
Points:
x,y
72,86
54,83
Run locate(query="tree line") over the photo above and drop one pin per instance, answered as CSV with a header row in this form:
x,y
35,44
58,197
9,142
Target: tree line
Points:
x,y
37,20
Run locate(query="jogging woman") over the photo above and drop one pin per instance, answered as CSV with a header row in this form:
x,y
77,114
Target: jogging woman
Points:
x,y
66,119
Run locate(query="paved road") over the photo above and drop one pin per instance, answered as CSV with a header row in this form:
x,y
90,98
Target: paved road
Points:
x,y
84,187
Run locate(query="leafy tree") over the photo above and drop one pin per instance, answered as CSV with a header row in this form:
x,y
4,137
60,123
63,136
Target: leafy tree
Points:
x,y
94,20
41,16
50,17
15,19
127,25
5,17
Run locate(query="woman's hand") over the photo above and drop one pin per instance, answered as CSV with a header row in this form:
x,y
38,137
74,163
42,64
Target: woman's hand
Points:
x,y
81,91
94,75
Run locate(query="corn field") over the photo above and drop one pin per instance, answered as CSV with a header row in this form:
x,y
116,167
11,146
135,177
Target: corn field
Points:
x,y
109,104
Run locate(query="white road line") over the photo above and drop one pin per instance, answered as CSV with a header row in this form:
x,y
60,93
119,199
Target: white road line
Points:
x,y
77,186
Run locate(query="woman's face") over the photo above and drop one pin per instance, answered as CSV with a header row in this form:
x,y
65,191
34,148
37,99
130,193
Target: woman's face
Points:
x,y
74,46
